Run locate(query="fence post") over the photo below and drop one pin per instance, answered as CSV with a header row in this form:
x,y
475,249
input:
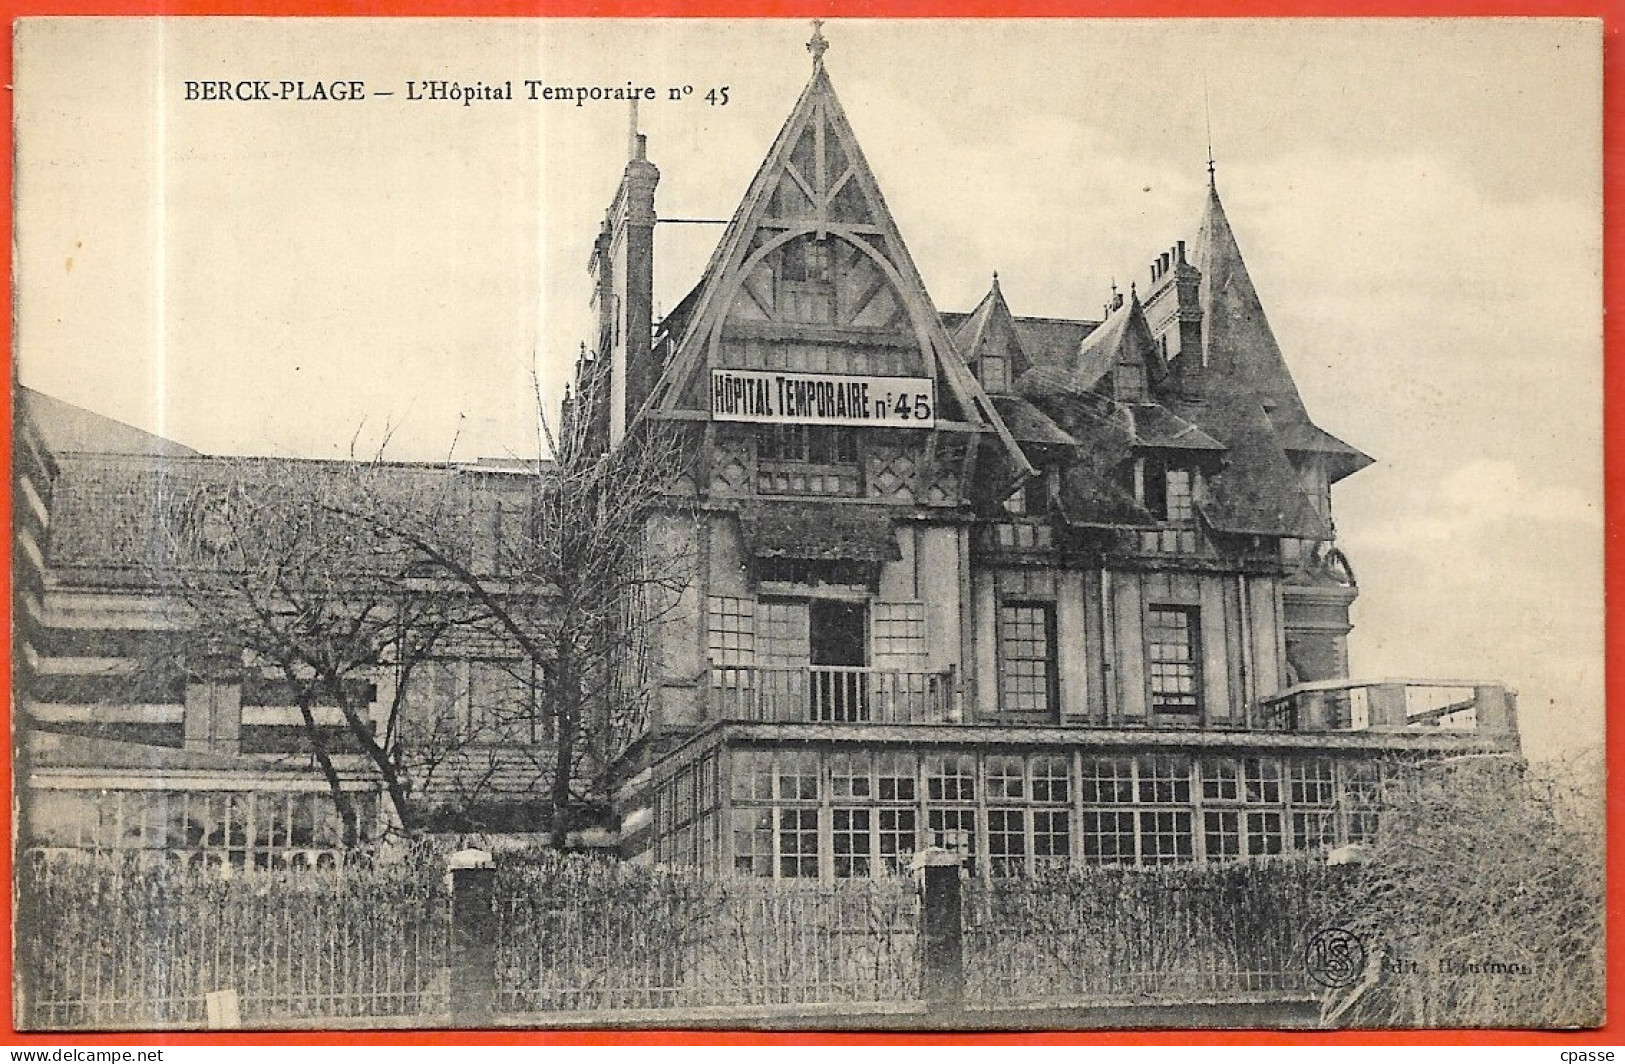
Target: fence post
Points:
x,y
942,974
472,994
1385,705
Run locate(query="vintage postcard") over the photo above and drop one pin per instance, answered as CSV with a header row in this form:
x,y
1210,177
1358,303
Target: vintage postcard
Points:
x,y
854,524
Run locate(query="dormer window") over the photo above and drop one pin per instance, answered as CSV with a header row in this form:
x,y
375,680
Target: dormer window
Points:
x,y
994,371
1031,499
1170,492
1178,500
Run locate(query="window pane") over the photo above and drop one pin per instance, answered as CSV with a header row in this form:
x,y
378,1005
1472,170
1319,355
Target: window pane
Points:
x,y
1165,837
1313,831
752,775
849,776
798,776
798,843
1108,837
897,839
1312,782
1179,503
753,842
899,629
1263,834
1052,843
730,630
1364,785
1051,778
1262,778
950,777
1221,835
1005,777
895,777
953,829
1107,780
1007,841
850,841
1165,780
1221,779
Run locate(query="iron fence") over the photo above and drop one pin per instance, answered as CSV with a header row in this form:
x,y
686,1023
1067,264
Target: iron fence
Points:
x,y
109,946
1149,934
102,945
712,943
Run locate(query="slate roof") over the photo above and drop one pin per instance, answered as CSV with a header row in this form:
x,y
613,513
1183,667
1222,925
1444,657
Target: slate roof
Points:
x,y
64,427
1157,426
1234,399
1045,341
1090,499
1028,424
1342,459
1240,393
48,750
146,512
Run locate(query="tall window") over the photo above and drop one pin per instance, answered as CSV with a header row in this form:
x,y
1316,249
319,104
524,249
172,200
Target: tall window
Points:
x,y
731,630
502,703
1027,657
1171,638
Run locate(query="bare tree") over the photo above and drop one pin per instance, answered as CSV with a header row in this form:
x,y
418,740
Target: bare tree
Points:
x,y
600,556
1482,904
276,577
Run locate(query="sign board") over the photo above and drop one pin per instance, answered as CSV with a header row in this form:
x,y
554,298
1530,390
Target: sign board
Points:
x,y
774,398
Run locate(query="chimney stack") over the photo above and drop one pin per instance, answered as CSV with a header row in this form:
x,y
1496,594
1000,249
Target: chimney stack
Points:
x,y
623,265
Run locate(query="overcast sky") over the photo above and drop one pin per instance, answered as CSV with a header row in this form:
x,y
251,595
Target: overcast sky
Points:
x,y
1419,203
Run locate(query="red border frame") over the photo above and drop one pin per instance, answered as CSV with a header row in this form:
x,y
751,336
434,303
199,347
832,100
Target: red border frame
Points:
x,y
1612,12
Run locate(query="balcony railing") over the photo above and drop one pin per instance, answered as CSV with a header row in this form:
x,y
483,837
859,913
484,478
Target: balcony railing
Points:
x,y
832,694
1390,705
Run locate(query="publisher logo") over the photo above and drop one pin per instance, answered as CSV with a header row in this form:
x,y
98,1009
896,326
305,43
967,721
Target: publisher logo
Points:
x,y
1334,957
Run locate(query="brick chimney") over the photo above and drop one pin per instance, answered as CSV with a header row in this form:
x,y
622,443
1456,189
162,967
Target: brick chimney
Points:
x,y
622,267
1173,309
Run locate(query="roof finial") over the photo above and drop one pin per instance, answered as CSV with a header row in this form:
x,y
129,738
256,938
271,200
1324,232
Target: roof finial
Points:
x,y
995,278
1207,113
818,45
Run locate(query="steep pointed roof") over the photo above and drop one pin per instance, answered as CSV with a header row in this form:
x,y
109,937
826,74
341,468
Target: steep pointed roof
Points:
x,y
1236,336
1240,394
991,332
1240,347
1121,357
815,182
